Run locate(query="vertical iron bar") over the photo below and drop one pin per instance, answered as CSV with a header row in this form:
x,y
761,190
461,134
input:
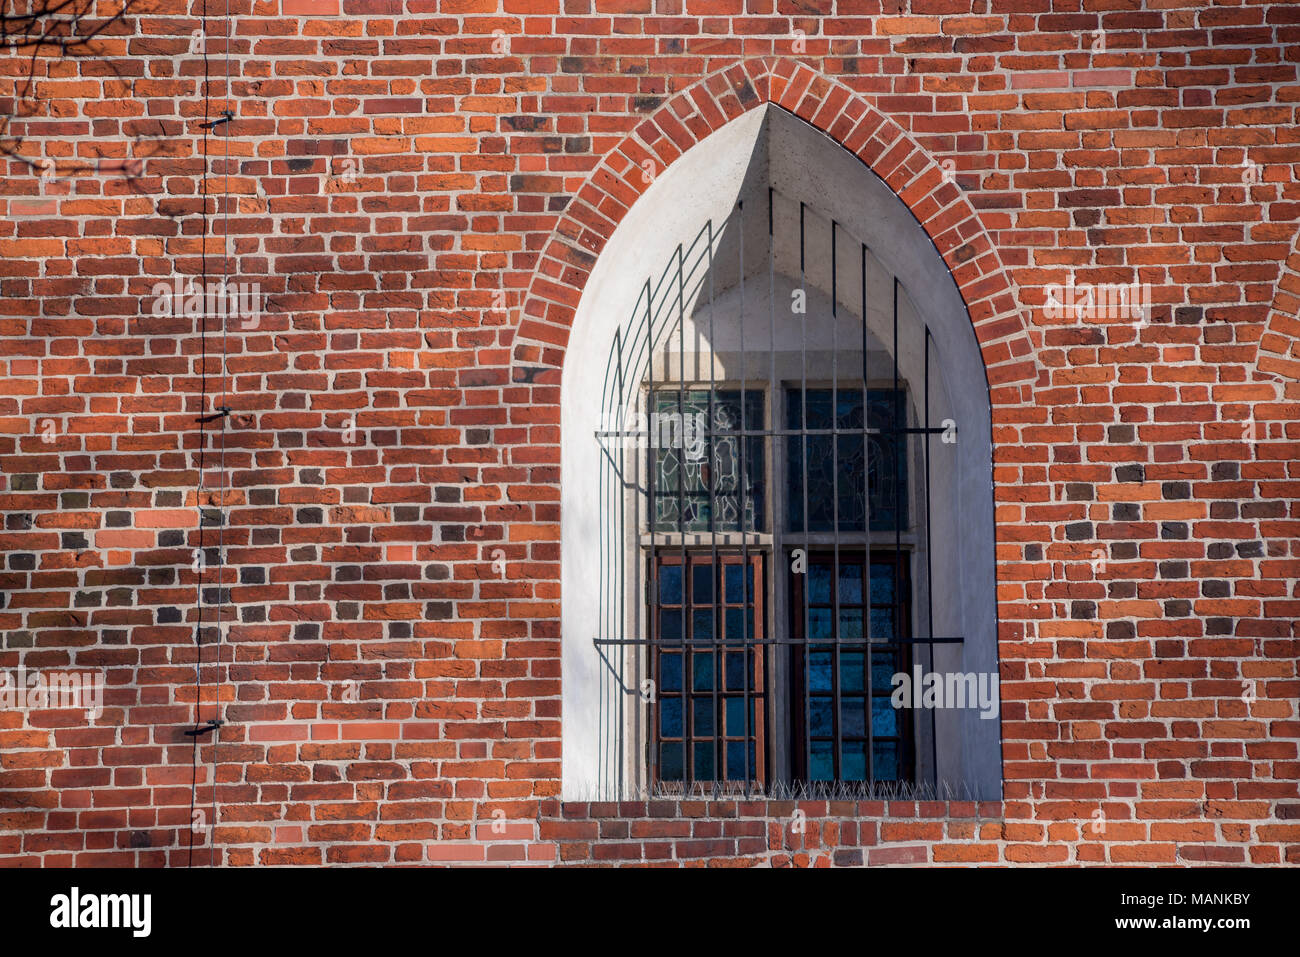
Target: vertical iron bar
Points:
x,y
653,655
747,648
719,653
803,439
607,710
929,582
604,718
619,546
688,577
836,689
898,437
772,452
869,662
628,477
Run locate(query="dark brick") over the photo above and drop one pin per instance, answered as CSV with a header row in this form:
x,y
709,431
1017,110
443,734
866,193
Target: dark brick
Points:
x,y
1078,531
1120,631
1173,569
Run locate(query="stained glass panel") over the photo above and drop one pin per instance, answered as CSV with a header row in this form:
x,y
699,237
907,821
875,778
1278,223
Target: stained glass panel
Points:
x,y
834,468
698,453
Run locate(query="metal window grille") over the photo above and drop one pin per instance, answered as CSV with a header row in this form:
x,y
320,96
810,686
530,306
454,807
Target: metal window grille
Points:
x,y
727,503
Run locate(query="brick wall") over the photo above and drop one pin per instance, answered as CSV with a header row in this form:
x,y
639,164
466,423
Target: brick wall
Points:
x,y
417,190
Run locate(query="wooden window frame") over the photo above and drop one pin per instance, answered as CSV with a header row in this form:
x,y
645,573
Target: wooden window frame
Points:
x,y
797,726
758,691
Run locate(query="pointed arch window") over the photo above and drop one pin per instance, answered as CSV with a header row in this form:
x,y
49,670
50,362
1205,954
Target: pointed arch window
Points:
x,y
778,506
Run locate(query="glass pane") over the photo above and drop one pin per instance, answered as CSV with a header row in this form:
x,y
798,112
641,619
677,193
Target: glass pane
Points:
x,y
821,766
883,668
703,671
670,624
853,717
819,624
704,770
670,671
736,761
884,718
702,625
819,667
670,761
670,718
702,584
851,624
819,584
882,624
736,582
850,584
819,408
882,584
736,673
853,764
886,756
735,708
822,717
670,584
851,676
702,715
794,483
737,624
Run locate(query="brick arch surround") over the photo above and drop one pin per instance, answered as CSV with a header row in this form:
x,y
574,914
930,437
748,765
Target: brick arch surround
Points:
x,y
940,207
1279,346
1009,346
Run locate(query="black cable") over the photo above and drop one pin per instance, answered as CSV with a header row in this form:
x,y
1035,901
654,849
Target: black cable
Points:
x,y
214,725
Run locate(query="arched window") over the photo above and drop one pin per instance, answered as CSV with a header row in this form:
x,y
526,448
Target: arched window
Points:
x,y
777,539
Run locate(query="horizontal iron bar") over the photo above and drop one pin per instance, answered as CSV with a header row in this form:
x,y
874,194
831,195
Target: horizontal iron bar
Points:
x,y
758,433
740,643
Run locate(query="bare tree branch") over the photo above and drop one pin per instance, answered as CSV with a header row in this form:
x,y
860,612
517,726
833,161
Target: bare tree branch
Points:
x,y
42,32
